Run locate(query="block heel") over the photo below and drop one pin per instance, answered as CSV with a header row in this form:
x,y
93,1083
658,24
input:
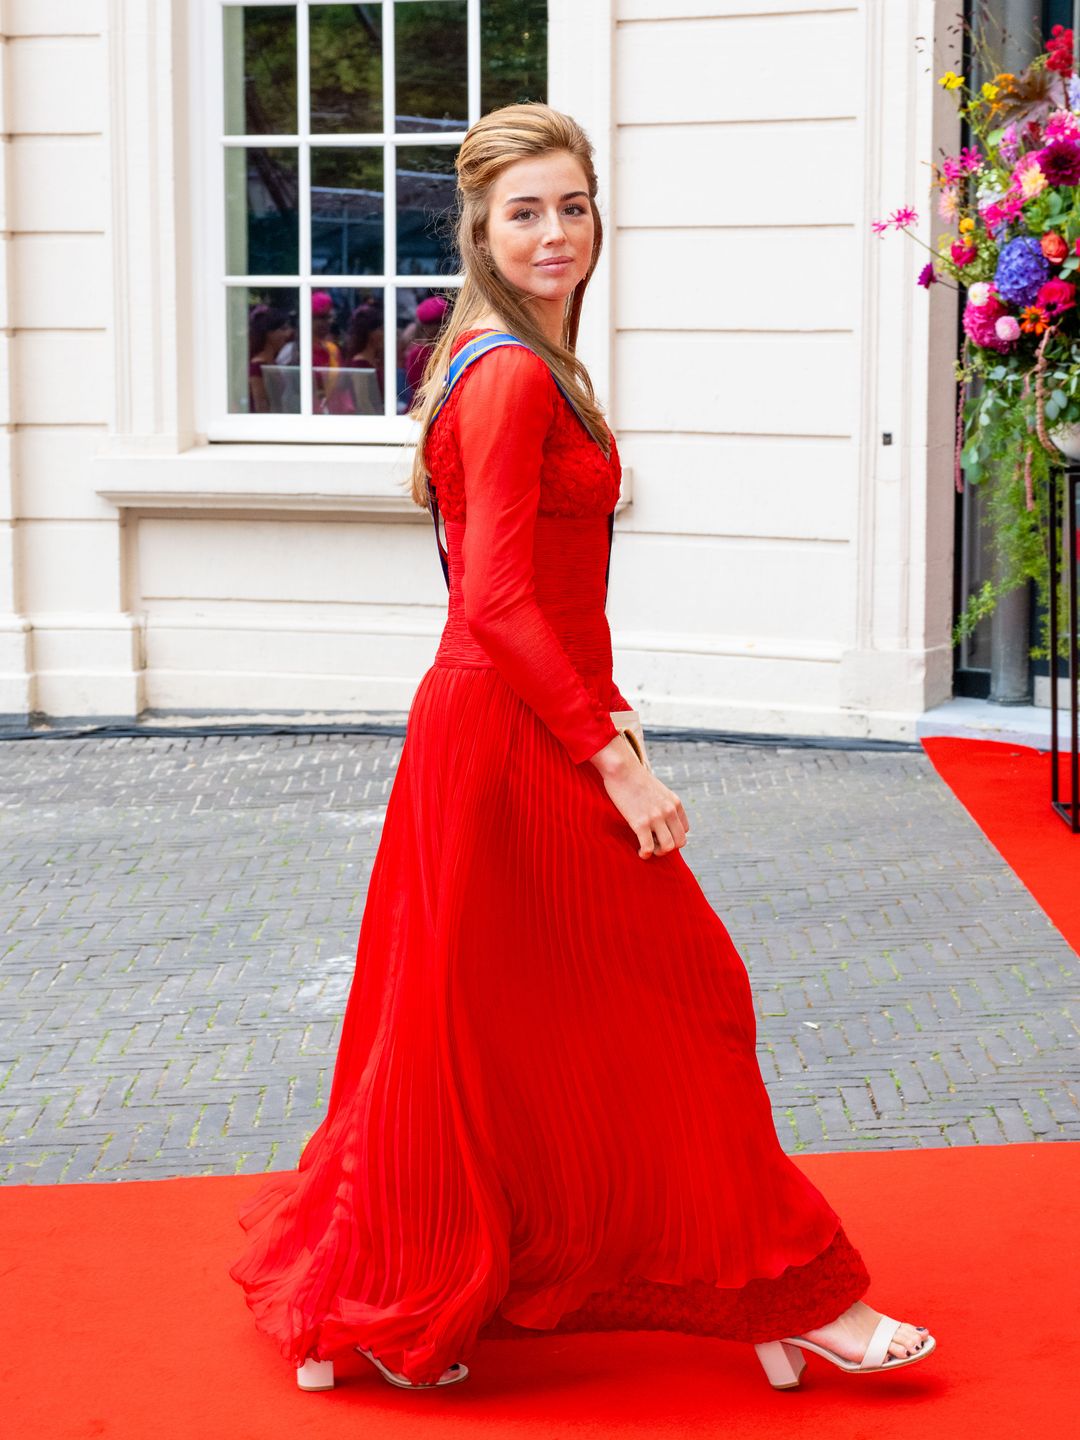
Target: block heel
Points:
x,y
783,1364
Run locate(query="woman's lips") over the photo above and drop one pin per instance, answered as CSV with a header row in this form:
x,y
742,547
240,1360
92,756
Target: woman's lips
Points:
x,y
555,264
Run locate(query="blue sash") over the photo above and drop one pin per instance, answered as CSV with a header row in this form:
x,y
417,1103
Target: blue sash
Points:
x,y
492,340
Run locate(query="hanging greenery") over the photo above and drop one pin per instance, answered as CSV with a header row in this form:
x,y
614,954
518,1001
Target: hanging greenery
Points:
x,y
1014,197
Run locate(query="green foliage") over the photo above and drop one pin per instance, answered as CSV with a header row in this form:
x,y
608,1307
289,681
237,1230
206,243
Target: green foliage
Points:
x,y
1001,447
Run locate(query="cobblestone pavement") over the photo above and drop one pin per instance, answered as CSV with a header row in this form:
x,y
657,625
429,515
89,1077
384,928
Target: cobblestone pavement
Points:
x,y
181,920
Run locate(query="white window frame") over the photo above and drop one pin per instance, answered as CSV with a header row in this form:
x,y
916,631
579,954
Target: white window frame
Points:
x,y
568,68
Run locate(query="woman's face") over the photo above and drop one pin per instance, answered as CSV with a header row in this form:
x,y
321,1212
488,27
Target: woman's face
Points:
x,y
540,225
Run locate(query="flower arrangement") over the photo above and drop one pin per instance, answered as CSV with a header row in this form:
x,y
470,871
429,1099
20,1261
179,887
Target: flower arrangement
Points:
x,y
1013,198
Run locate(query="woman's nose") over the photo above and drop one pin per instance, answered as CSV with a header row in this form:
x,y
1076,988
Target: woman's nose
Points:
x,y
554,230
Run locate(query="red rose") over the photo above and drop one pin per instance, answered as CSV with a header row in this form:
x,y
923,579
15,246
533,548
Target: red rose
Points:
x,y
1056,296
962,253
1054,247
1059,51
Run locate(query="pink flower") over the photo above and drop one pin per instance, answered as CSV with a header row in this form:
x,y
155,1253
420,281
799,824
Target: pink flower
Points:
x,y
963,253
1007,328
904,216
980,323
879,227
952,168
1063,125
948,204
993,215
1056,296
1027,177
970,160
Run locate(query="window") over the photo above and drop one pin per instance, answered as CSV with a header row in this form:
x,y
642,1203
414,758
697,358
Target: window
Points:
x,y
330,151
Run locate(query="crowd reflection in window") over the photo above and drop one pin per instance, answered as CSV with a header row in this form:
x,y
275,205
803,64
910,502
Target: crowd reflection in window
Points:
x,y
348,348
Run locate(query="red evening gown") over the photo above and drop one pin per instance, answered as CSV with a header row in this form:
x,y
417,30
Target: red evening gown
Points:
x,y
546,1111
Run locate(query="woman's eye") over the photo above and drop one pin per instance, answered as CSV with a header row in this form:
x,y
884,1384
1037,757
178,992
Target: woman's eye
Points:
x,y
572,209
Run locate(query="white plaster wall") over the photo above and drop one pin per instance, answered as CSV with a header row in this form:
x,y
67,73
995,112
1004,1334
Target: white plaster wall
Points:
x,y
775,569
64,585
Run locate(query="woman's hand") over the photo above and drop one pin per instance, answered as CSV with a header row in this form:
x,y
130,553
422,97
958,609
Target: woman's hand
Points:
x,y
653,812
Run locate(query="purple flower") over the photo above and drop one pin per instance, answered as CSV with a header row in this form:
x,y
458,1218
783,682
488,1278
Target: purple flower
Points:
x,y
927,275
1060,162
1021,269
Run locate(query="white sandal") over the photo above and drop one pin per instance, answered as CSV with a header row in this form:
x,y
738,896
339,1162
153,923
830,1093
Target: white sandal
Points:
x,y
784,1362
319,1374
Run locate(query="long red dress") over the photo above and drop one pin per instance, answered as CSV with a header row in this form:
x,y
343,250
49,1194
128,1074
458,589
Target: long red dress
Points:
x,y
546,1111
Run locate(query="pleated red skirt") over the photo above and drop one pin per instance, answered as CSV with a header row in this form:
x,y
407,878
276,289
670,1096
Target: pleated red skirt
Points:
x,y
547,1112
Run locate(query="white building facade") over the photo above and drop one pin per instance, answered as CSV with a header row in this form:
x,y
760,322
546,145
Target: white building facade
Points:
x,y
781,390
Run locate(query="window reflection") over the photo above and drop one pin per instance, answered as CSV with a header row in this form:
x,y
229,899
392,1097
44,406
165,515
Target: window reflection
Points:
x,y
262,325
260,69
262,223
513,52
426,184
346,210
417,333
345,50
431,65
347,351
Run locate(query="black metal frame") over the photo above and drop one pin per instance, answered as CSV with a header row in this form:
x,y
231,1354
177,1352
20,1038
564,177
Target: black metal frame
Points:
x,y
1061,540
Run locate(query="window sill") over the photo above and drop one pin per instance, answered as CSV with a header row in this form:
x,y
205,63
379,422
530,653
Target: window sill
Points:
x,y
351,479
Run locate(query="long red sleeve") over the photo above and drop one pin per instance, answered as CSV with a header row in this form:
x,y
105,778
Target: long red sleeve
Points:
x,y
618,701
503,415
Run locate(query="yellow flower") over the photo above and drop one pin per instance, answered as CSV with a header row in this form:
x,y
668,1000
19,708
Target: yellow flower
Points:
x,y
989,92
967,225
951,81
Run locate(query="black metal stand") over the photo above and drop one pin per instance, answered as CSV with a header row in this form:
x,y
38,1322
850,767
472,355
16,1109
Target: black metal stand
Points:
x,y
1062,542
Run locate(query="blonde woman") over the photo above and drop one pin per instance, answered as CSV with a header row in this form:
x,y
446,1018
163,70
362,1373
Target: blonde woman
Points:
x,y
546,1112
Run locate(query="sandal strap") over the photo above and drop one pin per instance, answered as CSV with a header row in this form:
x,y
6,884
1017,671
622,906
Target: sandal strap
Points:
x,y
879,1344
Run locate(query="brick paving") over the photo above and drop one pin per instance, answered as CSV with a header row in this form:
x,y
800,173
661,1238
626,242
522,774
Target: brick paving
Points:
x,y
180,918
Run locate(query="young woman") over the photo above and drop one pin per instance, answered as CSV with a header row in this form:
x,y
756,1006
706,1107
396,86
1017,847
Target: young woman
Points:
x,y
546,1112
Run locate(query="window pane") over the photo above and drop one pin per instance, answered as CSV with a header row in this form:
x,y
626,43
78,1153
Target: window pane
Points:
x,y
346,68
422,313
263,374
348,351
513,52
260,69
431,63
262,227
426,183
346,210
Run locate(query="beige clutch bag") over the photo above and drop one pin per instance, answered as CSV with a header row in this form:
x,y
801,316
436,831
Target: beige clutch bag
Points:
x,y
628,723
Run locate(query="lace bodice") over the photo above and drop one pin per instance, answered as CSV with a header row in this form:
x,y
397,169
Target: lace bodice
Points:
x,y
576,479
525,494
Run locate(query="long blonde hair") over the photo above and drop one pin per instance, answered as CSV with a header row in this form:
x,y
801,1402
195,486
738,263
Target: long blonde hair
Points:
x,y
498,139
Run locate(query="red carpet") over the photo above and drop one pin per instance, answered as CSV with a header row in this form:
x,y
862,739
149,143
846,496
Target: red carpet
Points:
x,y
1006,790
118,1320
